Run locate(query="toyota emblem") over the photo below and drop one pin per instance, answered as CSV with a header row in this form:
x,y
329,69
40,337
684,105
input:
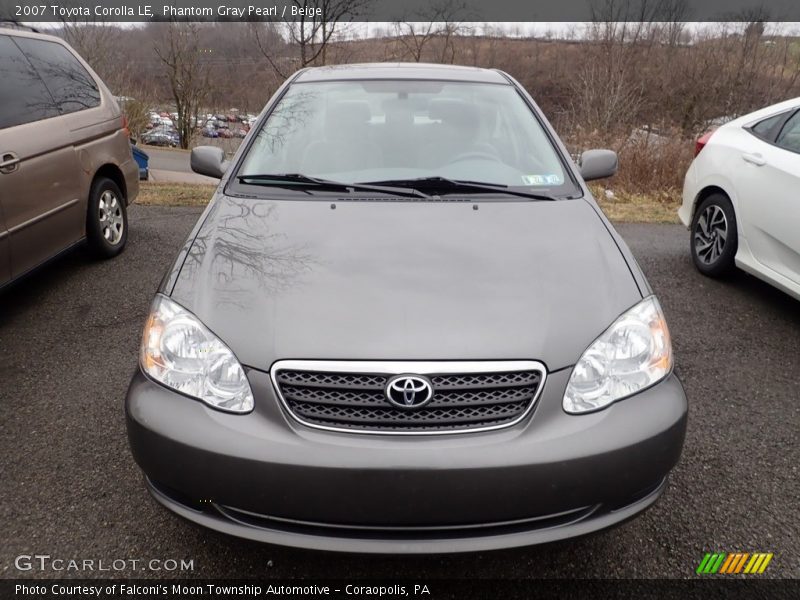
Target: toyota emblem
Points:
x,y
409,391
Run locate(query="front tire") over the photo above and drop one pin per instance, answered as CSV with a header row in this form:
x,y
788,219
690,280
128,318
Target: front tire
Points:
x,y
106,219
714,238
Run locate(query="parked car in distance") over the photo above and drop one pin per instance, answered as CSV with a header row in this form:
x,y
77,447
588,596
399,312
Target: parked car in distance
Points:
x,y
740,197
66,168
160,137
403,325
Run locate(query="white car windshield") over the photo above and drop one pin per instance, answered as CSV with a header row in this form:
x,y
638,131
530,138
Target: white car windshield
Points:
x,y
392,130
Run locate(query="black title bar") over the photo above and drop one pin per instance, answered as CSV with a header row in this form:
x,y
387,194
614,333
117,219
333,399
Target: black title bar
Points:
x,y
144,11
419,589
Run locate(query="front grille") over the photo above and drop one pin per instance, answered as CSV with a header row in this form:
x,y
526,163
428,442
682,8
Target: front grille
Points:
x,y
351,396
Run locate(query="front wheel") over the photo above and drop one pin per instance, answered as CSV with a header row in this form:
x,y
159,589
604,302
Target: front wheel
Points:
x,y
106,219
714,236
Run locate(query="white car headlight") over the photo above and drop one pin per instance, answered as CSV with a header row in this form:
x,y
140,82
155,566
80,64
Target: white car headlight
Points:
x,y
631,355
181,353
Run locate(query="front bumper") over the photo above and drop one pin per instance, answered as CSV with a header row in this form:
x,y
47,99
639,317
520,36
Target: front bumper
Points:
x,y
264,477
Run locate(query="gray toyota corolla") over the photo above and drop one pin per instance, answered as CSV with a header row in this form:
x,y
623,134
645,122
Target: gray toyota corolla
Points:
x,y
404,325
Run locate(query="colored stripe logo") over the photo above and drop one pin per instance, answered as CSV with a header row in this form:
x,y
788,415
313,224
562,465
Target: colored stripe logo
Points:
x,y
734,562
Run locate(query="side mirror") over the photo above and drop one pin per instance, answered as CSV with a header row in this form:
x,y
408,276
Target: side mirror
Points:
x,y
598,164
209,160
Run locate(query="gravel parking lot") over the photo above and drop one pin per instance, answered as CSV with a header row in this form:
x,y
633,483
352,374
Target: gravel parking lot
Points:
x,y
68,344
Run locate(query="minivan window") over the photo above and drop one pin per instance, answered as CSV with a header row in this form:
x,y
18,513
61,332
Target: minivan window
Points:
x,y
69,83
23,96
378,130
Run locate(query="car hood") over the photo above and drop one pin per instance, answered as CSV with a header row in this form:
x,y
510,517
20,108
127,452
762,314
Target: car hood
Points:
x,y
393,280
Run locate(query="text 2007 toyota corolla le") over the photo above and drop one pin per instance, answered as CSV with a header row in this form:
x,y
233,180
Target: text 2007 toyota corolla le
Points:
x,y
403,325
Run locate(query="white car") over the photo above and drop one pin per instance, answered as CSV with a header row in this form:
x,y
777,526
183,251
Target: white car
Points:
x,y
741,197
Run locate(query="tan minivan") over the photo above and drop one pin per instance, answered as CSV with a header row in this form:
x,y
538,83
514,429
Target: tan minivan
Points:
x,y
66,168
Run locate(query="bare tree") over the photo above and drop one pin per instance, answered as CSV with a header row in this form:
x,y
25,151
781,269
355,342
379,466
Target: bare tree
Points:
x,y
311,32
605,100
272,46
414,36
187,74
95,39
137,113
453,13
674,14
439,25
606,94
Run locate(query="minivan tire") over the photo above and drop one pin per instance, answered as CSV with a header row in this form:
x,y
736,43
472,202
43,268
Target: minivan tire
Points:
x,y
106,219
713,219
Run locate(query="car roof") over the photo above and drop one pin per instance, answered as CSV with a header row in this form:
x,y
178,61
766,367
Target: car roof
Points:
x,y
416,71
30,33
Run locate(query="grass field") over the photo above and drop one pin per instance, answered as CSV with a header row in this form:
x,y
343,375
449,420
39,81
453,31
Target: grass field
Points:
x,y
174,194
619,206
624,207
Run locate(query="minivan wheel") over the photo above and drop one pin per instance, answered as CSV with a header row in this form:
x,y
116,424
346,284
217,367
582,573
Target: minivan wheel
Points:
x,y
714,236
106,219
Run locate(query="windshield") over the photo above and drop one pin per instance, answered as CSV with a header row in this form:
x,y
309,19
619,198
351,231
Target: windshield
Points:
x,y
373,131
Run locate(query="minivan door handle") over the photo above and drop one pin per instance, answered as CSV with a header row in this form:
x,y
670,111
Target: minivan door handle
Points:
x,y
9,162
754,159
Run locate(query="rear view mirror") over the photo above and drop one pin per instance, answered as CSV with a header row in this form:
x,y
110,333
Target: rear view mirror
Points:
x,y
598,164
209,160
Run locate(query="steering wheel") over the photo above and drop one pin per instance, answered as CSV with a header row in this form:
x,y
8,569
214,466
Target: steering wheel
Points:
x,y
474,155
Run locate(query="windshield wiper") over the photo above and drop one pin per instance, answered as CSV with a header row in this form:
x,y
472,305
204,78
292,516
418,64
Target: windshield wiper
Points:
x,y
298,179
455,185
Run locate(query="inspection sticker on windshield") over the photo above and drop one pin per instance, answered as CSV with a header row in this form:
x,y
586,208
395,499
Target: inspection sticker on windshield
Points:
x,y
542,179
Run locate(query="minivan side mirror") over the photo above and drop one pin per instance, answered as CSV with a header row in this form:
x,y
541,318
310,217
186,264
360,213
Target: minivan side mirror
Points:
x,y
209,160
598,164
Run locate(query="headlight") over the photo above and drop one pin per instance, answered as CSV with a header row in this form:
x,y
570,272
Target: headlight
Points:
x,y
181,353
631,355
